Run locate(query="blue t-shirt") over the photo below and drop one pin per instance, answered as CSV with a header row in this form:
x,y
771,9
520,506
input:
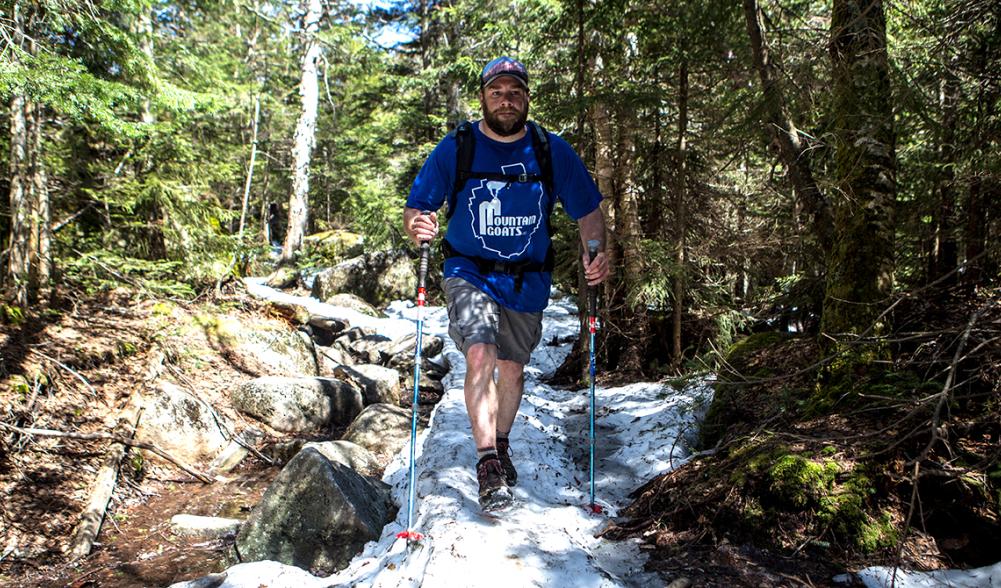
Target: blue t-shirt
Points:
x,y
504,221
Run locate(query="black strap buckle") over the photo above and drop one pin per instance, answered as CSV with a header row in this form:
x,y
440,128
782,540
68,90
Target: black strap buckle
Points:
x,y
523,178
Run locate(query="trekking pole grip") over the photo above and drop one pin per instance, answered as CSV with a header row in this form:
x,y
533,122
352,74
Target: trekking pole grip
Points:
x,y
425,254
592,292
423,273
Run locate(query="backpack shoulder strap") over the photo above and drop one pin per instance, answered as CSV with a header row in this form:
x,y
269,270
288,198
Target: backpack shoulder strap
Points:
x,y
465,146
543,154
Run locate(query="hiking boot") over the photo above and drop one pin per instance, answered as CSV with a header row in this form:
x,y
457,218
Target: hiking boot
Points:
x,y
493,489
504,455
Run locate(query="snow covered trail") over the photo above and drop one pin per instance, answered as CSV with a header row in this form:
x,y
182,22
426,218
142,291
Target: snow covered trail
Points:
x,y
548,538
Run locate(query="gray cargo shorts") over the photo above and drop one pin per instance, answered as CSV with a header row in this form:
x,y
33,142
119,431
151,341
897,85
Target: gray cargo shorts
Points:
x,y
474,317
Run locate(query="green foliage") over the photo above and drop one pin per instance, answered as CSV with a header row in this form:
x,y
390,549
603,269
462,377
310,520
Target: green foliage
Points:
x,y
12,315
101,271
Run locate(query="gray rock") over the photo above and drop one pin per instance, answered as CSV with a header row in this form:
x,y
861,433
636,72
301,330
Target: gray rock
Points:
x,y
299,405
283,277
369,349
235,451
377,277
350,454
352,302
275,352
330,358
204,527
378,383
405,346
316,515
325,329
182,424
427,383
383,429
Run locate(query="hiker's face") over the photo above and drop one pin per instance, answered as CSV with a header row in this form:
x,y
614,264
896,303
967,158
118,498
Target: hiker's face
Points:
x,y
505,106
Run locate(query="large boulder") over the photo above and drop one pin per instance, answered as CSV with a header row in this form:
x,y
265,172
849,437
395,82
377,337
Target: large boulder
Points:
x,y
182,424
383,429
349,454
378,277
275,352
316,515
377,383
299,405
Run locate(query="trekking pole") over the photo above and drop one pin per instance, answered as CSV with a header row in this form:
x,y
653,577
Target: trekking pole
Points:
x,y
411,535
592,318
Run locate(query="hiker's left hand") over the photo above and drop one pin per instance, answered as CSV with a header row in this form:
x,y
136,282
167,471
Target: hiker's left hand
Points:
x,y
595,271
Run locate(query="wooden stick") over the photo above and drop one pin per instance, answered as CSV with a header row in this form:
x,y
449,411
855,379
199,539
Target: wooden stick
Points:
x,y
69,369
115,439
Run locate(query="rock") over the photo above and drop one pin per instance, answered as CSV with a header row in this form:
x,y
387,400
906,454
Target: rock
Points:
x,y
349,454
330,358
334,244
282,452
680,583
316,515
325,329
204,527
299,405
283,277
383,429
334,325
352,302
405,346
271,351
427,383
233,454
182,424
393,273
368,349
378,383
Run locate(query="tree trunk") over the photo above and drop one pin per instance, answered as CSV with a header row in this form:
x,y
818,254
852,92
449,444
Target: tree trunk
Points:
x,y
860,266
305,135
41,217
156,241
634,316
19,255
680,219
944,249
250,169
793,152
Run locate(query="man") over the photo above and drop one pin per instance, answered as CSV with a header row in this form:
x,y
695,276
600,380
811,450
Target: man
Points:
x,y
498,251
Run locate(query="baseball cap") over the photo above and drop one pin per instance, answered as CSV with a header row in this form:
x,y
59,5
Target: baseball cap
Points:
x,y
504,66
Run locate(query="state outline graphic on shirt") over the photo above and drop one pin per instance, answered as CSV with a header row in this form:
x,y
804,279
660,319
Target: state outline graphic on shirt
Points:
x,y
487,216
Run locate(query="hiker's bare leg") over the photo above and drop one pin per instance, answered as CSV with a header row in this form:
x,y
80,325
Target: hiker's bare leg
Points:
x,y
480,393
510,387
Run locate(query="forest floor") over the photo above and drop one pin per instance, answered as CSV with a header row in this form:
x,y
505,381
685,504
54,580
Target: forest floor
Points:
x,y
901,466
74,370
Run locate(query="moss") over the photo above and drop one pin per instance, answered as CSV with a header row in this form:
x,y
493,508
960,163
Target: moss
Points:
x,y
798,482
162,308
126,348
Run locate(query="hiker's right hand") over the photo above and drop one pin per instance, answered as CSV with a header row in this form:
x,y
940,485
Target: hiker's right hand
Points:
x,y
421,227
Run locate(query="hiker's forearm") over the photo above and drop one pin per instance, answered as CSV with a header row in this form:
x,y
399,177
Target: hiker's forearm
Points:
x,y
592,228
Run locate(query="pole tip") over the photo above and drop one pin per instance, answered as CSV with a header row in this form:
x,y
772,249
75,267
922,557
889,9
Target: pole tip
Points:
x,y
410,536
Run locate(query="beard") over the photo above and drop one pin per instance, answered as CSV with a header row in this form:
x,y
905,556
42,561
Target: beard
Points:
x,y
507,126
